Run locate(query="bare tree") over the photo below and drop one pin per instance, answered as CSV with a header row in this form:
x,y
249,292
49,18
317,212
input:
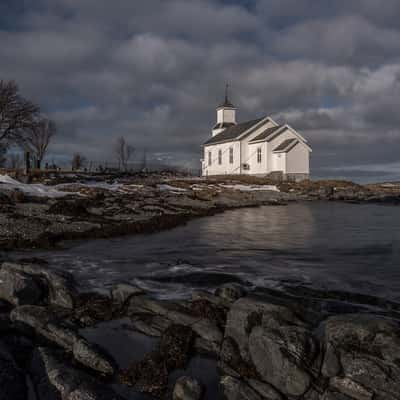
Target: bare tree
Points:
x,y
15,160
124,152
16,113
78,161
36,139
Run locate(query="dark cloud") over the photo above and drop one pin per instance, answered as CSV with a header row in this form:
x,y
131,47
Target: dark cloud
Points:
x,y
154,71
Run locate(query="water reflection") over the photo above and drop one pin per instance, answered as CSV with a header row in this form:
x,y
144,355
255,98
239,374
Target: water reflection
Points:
x,y
328,245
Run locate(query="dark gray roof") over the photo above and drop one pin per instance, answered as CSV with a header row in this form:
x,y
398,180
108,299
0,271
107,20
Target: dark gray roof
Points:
x,y
286,145
223,125
263,135
233,132
226,104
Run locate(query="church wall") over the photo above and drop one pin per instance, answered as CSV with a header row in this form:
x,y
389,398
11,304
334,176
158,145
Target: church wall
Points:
x,y
298,160
225,168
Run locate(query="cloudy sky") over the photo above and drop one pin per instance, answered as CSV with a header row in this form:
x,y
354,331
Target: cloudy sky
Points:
x,y
154,71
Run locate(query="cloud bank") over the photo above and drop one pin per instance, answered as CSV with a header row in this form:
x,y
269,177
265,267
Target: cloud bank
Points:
x,y
154,71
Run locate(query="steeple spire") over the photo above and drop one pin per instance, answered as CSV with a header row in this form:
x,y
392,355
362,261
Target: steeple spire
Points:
x,y
226,93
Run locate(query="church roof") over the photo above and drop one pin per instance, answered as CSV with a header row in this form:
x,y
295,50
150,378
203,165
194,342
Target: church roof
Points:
x,y
286,145
233,132
226,104
263,135
223,125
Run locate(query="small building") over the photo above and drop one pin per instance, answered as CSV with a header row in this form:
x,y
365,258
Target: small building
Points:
x,y
258,147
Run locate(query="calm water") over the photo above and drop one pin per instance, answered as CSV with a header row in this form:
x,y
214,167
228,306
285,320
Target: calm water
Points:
x,y
323,245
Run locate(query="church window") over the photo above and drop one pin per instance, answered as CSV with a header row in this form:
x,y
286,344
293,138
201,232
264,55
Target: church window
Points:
x,y
259,155
231,155
209,158
219,157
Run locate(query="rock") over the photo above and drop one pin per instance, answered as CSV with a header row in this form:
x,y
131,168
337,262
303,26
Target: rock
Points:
x,y
329,395
52,327
176,345
187,388
230,292
176,313
367,348
351,388
265,390
235,389
331,365
248,312
56,379
61,286
12,379
91,308
122,292
281,357
150,375
18,288
92,356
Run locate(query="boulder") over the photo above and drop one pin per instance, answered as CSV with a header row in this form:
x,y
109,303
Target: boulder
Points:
x,y
282,357
53,328
247,313
56,379
61,287
18,288
187,388
365,349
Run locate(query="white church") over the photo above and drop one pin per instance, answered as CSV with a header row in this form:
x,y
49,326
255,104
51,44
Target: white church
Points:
x,y
258,147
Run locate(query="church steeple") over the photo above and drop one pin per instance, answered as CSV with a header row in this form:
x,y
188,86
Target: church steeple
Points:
x,y
226,114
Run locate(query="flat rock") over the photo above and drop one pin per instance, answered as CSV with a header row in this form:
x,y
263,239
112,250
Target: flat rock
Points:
x,y
122,292
235,389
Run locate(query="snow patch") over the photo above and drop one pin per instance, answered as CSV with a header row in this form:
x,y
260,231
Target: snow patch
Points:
x,y
34,189
251,188
170,188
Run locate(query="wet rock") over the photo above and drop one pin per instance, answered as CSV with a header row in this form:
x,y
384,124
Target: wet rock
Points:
x,y
351,388
54,379
61,287
18,288
206,309
54,328
235,389
150,375
92,356
246,313
176,313
230,292
122,292
92,308
264,389
187,388
331,364
281,357
12,379
367,348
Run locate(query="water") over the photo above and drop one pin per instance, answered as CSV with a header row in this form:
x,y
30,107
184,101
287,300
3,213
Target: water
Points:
x,y
323,245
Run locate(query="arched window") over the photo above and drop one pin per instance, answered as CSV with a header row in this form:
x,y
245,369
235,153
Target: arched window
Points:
x,y
231,155
219,157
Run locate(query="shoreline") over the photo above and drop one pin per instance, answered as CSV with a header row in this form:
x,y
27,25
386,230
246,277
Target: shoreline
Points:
x,y
85,211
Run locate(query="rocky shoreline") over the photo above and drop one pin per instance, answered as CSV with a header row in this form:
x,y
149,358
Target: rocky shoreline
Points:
x,y
129,206
266,344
